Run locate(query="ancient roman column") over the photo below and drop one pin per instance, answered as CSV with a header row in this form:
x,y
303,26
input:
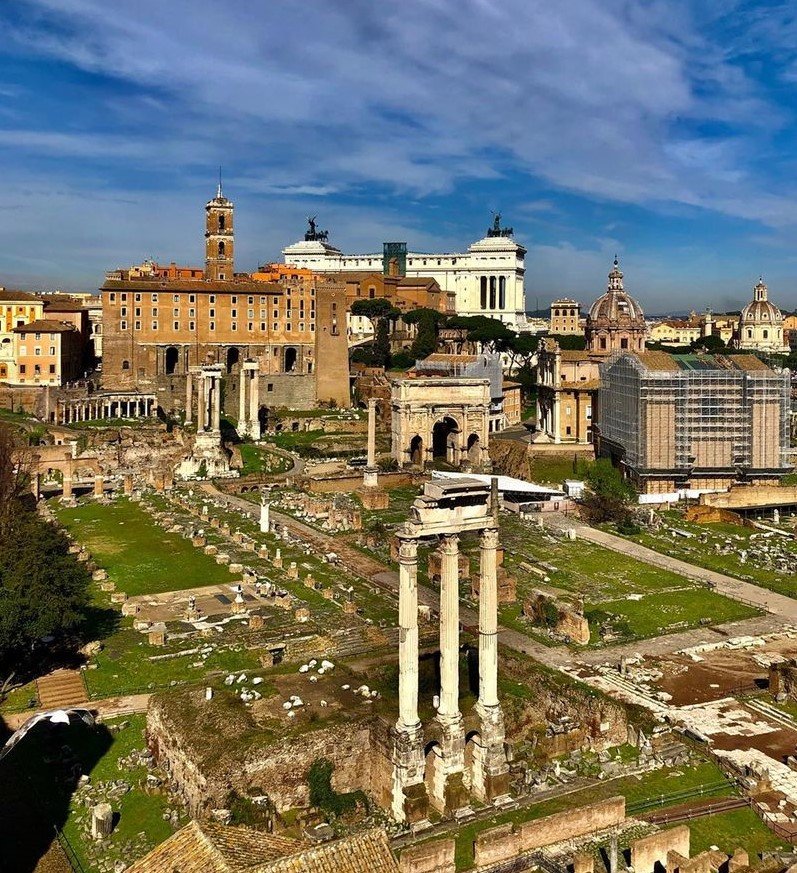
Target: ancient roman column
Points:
x,y
202,403
254,402
216,401
243,424
189,391
264,515
372,432
449,628
99,486
408,633
67,477
488,619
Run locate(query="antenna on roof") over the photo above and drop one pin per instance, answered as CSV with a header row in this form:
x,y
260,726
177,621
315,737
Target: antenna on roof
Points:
x,y
218,192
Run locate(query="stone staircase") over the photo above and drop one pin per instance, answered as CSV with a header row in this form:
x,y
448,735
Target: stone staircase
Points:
x,y
61,689
772,713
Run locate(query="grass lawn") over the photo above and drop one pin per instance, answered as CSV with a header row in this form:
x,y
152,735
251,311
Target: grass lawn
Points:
x,y
636,599
258,459
554,469
739,828
703,554
124,665
140,557
20,698
636,790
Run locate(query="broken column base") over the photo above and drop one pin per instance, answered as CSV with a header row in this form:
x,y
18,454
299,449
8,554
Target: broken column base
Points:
x,y
207,458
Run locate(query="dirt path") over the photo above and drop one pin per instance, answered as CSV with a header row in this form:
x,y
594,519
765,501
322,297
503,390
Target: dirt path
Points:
x,y
110,707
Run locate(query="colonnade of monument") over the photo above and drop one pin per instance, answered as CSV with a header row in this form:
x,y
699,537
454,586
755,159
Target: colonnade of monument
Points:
x,y
104,406
437,774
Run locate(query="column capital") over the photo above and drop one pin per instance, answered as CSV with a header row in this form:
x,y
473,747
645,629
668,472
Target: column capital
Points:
x,y
408,549
449,544
488,538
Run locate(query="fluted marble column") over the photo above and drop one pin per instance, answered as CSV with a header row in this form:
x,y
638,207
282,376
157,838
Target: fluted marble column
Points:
x,y
201,404
243,425
449,628
189,392
488,619
216,402
408,634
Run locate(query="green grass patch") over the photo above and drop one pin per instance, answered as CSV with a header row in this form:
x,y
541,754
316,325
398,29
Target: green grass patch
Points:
x,y
737,829
20,698
635,599
554,469
140,557
258,459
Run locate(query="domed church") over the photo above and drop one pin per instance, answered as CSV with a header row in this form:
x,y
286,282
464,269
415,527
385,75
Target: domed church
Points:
x,y
615,321
761,324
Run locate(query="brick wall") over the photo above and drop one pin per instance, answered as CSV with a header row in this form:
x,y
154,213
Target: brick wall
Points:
x,y
648,851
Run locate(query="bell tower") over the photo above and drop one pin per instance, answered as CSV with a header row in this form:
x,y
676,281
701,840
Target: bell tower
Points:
x,y
219,241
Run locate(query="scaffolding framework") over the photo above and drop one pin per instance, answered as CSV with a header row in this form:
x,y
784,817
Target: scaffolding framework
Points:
x,y
695,418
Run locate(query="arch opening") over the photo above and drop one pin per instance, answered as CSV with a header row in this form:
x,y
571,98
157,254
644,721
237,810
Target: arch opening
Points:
x,y
444,440
233,357
416,450
171,359
291,356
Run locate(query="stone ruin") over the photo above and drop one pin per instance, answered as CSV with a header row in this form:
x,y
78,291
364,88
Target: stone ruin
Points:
x,y
337,514
430,766
564,619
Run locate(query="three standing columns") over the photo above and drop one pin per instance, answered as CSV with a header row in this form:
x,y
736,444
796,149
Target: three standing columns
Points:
x,y
208,406
446,761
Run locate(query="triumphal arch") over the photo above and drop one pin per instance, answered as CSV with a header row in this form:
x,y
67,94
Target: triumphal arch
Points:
x,y
443,761
443,417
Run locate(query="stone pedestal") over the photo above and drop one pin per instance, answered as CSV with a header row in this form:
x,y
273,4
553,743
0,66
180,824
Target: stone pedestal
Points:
x,y
410,803
373,497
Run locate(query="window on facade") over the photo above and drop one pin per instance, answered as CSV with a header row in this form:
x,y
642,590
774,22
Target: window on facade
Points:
x,y
154,298
177,325
125,365
137,325
112,297
123,298
766,334
251,300
250,326
192,298
154,311
192,313
221,249
212,313
624,343
603,342
124,311
175,298
122,325
52,350
212,325
23,369
37,351
276,326
233,300
52,369
568,430
263,326
234,313
191,325
37,336
138,311
251,313
212,298
588,413
276,313
221,222
154,325
37,370
233,326
270,386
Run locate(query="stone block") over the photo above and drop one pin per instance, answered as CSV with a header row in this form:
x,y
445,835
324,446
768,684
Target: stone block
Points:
x,y
435,856
327,594
236,568
293,571
583,862
302,614
118,597
101,821
256,622
108,585
157,637
222,558
349,607
211,550
649,853
129,608
99,575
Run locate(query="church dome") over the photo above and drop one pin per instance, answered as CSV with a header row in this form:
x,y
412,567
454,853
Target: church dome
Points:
x,y
760,310
616,306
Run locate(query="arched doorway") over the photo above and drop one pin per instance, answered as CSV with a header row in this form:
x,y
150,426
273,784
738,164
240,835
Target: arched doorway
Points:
x,y
171,360
233,357
444,440
290,359
474,449
416,450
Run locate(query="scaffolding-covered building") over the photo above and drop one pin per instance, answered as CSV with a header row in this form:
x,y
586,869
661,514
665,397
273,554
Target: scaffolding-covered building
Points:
x,y
700,422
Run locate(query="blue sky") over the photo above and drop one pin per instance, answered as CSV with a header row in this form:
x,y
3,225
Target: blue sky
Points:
x,y
664,131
